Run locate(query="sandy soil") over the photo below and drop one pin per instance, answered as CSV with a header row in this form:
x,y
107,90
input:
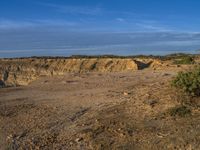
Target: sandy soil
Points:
x,y
97,111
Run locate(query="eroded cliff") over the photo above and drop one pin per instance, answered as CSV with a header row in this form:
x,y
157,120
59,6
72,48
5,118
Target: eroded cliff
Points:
x,y
15,72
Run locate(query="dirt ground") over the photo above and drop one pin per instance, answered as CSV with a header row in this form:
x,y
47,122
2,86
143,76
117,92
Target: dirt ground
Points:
x,y
97,111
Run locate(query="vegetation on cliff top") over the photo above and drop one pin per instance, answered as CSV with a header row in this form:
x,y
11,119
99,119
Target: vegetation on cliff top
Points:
x,y
184,60
164,57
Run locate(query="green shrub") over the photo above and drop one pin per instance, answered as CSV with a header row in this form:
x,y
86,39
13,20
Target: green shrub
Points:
x,y
181,111
189,82
185,60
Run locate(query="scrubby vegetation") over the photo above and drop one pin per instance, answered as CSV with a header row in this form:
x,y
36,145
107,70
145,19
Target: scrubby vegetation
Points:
x,y
175,56
184,60
181,111
189,82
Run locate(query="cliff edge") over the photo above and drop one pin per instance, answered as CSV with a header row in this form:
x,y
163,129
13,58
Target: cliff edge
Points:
x,y
15,72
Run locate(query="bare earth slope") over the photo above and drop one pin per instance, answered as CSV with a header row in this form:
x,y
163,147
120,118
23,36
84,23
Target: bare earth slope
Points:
x,y
24,71
119,109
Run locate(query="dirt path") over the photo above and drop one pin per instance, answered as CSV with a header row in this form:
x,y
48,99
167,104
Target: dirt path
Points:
x,y
96,111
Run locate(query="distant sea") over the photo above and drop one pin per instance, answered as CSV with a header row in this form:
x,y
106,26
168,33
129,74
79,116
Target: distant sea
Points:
x,y
44,43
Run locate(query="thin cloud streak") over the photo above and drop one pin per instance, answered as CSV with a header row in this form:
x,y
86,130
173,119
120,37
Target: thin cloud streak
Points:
x,y
7,24
137,21
80,25
121,19
153,27
177,43
17,51
70,9
12,24
127,21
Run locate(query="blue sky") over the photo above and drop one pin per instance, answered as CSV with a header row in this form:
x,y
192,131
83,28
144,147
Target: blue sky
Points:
x,y
122,27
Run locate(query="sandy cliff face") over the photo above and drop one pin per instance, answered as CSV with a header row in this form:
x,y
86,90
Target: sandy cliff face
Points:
x,y
23,71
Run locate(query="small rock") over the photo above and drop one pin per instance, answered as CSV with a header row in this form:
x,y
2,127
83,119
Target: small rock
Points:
x,y
151,102
22,134
79,139
9,137
119,129
166,74
122,134
46,81
116,111
126,93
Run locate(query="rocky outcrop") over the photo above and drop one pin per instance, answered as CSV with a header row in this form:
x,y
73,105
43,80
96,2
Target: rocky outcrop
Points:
x,y
15,72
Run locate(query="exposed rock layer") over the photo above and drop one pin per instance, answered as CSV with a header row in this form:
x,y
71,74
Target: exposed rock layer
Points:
x,y
23,71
